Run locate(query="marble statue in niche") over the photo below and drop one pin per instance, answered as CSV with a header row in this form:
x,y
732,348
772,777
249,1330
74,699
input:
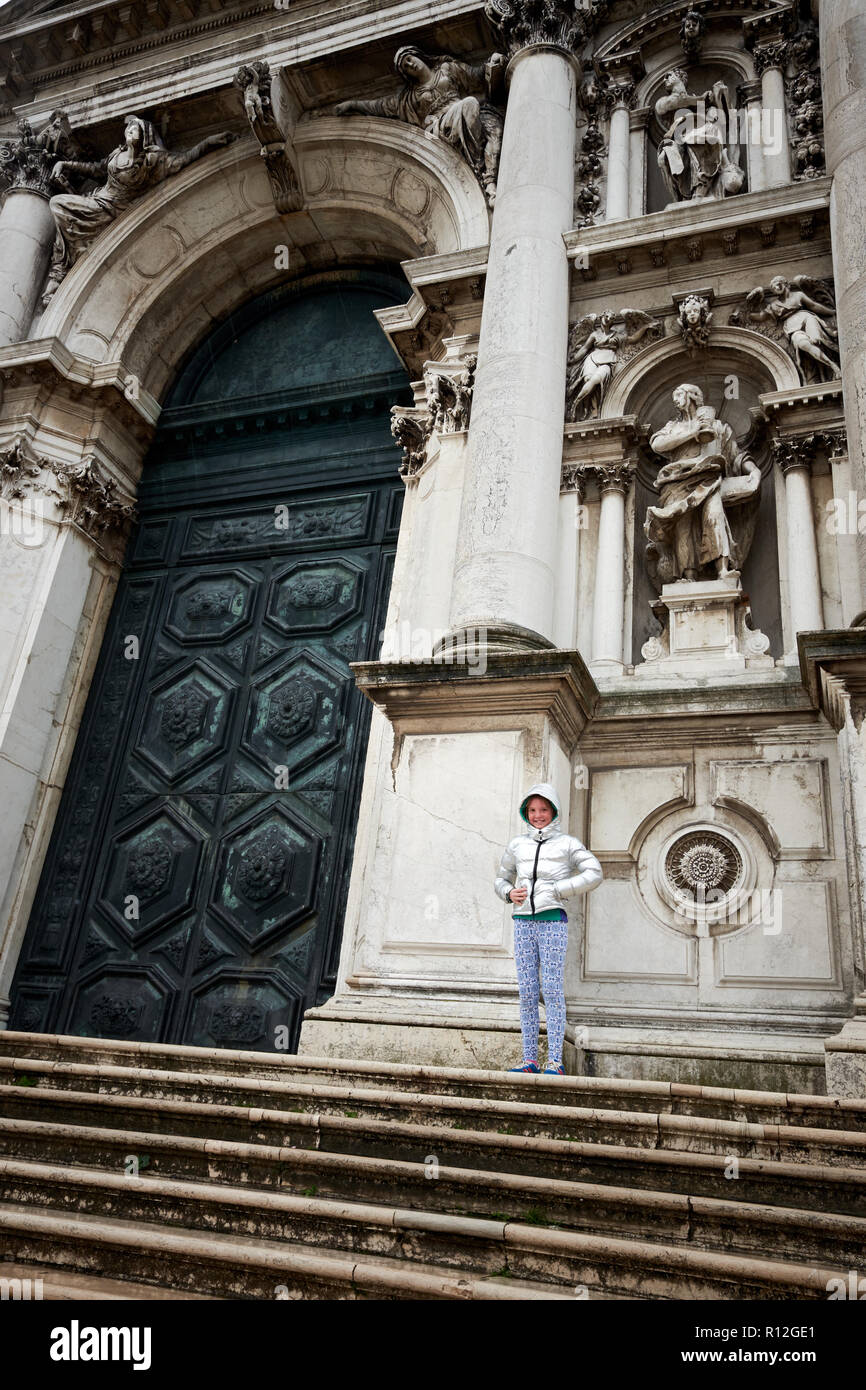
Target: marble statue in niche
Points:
x,y
709,489
693,155
595,348
131,170
803,310
450,100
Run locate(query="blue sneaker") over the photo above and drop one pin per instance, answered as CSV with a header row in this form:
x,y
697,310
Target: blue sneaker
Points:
x,y
532,1067
551,1070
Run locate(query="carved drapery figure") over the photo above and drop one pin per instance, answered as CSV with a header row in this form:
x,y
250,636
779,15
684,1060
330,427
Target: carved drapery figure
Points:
x,y
594,349
695,319
131,170
693,153
709,488
254,83
804,311
451,101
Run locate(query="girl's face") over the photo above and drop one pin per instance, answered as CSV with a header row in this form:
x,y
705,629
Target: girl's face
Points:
x,y
539,812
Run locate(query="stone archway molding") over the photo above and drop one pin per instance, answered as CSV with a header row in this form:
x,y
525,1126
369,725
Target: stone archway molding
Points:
x,y
203,242
727,341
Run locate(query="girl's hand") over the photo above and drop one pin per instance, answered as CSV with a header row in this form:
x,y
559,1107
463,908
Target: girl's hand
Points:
x,y
517,895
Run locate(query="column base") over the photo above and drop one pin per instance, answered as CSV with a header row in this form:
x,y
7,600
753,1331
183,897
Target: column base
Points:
x,y
846,1056
473,637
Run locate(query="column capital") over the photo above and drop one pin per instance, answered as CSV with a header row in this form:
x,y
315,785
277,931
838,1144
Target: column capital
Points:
x,y
770,55
800,451
621,75
556,24
26,163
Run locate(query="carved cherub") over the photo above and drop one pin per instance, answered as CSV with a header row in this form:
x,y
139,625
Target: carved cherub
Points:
x,y
694,318
594,347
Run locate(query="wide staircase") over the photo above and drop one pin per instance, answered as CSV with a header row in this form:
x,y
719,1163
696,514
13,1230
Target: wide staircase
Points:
x,y
136,1170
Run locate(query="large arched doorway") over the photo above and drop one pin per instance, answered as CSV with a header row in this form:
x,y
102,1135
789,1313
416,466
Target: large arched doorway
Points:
x,y
195,884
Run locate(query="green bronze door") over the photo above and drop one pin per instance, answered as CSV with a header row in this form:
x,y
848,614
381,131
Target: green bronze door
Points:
x,y
197,875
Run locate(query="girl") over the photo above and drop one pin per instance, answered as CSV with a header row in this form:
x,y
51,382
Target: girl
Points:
x,y
537,872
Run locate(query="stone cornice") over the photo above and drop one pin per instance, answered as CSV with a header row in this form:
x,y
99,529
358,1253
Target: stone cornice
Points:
x,y
833,667
422,695
688,235
667,20
63,43
50,361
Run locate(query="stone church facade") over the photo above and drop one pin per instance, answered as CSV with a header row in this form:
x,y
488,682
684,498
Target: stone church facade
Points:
x,y
272,688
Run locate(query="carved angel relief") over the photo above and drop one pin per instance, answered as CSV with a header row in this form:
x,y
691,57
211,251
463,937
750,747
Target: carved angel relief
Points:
x,y
799,313
595,349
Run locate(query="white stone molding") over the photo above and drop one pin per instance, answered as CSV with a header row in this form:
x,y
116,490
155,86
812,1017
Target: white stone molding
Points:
x,y
137,295
732,342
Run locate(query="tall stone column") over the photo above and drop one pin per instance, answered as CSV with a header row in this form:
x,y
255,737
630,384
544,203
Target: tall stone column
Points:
x,y
506,549
804,577
608,604
26,226
770,61
618,153
843,74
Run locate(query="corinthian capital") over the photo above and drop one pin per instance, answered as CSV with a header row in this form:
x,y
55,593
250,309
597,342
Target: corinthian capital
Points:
x,y
564,24
28,162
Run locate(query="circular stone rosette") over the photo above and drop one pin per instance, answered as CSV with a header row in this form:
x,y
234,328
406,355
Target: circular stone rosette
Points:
x,y
706,875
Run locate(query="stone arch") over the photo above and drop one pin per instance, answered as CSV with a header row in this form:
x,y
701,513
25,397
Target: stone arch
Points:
x,y
726,342
205,241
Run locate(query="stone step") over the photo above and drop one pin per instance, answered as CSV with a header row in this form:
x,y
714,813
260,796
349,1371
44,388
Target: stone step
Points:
x,y
464,1189
251,1267
593,1092
357,1121
241,1266
49,1285
446,1235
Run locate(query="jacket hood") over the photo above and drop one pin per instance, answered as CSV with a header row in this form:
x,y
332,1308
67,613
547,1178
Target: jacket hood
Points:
x,y
549,793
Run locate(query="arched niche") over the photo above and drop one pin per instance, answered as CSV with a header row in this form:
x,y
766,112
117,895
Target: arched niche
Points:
x,y
714,66
194,249
732,381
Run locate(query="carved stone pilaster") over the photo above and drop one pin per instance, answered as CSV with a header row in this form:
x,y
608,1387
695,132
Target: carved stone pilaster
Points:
x,y
83,493
411,428
449,387
573,479
254,82
554,23
93,501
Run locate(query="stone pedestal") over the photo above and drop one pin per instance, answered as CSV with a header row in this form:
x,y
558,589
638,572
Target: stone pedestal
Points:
x,y
706,631
427,971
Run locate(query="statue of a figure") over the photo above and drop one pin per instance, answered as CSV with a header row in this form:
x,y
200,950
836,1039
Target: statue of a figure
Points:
x,y
693,152
136,166
449,99
808,323
594,348
708,489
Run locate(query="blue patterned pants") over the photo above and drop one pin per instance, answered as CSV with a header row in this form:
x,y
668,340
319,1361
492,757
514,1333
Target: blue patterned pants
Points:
x,y
541,944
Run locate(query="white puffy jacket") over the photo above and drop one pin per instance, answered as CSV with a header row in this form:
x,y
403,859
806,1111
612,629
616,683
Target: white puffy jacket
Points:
x,y
549,864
